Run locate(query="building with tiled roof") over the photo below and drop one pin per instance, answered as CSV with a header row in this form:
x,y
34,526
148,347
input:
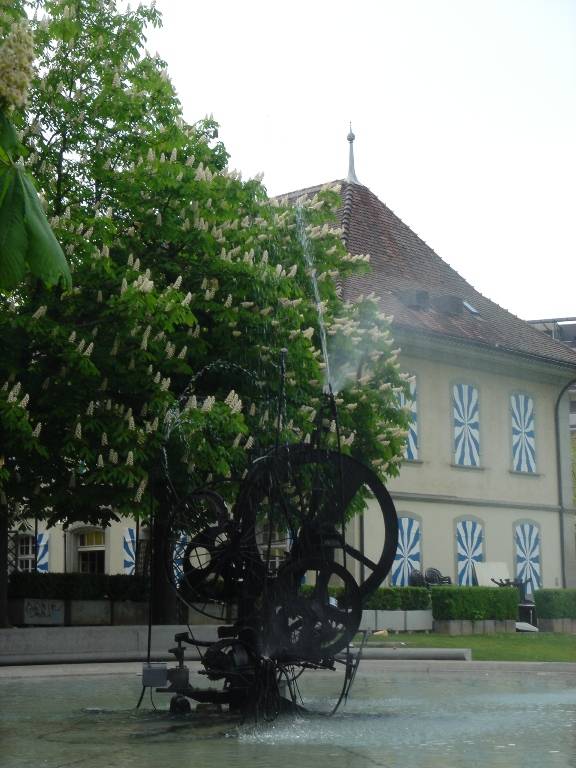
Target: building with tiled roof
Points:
x,y
486,475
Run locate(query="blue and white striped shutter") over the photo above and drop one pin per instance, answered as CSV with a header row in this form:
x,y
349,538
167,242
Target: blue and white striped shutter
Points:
x,y
466,413
42,552
527,545
408,555
178,557
523,434
411,448
469,549
129,547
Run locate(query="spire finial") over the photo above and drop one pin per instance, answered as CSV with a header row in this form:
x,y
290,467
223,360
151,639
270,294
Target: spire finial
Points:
x,y
351,172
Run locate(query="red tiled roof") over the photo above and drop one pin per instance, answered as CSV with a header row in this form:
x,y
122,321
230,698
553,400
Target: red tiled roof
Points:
x,y
402,262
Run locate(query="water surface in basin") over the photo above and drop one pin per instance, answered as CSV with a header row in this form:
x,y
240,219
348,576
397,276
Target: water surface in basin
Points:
x,y
394,718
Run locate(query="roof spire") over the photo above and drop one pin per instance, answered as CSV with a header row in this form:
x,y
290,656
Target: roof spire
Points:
x,y
351,172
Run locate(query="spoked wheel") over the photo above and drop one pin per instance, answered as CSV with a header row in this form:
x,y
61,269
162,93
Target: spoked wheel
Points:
x,y
314,611
311,493
211,562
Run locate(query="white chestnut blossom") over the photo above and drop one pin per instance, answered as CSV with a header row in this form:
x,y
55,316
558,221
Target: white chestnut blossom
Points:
x,y
208,404
233,402
40,312
143,284
16,56
145,337
140,490
14,392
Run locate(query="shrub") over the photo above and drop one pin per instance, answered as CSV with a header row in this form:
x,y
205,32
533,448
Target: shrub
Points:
x,y
383,599
398,599
414,598
555,603
76,586
474,603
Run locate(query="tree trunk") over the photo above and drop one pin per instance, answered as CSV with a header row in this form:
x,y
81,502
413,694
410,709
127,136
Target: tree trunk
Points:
x,y
162,594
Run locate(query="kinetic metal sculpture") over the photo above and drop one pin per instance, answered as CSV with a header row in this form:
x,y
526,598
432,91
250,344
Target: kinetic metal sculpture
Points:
x,y
282,620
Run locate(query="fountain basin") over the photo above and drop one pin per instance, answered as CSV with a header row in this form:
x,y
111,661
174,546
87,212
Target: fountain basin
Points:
x,y
413,714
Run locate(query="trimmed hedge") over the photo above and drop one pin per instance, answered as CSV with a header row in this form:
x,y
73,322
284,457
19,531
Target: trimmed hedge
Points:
x,y
555,603
398,599
76,586
387,598
474,603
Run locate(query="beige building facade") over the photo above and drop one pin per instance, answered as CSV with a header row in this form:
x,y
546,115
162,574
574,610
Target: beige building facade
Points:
x,y
496,501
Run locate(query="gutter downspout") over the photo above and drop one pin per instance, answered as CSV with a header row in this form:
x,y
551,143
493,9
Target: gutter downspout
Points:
x,y
561,510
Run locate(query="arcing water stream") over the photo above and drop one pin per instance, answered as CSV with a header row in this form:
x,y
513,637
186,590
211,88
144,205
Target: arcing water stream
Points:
x,y
307,250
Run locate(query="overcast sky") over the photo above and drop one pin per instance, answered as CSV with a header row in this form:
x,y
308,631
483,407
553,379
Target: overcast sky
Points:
x,y
464,113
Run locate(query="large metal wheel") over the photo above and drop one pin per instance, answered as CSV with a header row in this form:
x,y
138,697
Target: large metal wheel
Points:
x,y
311,494
210,562
314,611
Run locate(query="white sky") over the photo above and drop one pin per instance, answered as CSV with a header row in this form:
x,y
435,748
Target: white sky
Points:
x,y
464,113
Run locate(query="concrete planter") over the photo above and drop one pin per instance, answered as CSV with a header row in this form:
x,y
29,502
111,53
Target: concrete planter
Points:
x,y
392,620
489,626
37,612
90,612
397,621
368,621
128,612
448,627
419,621
557,625
465,627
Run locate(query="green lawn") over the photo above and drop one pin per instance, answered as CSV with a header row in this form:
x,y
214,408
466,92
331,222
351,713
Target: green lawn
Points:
x,y
521,646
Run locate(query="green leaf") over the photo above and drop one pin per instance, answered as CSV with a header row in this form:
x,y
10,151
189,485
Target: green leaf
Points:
x,y
45,257
13,237
8,137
